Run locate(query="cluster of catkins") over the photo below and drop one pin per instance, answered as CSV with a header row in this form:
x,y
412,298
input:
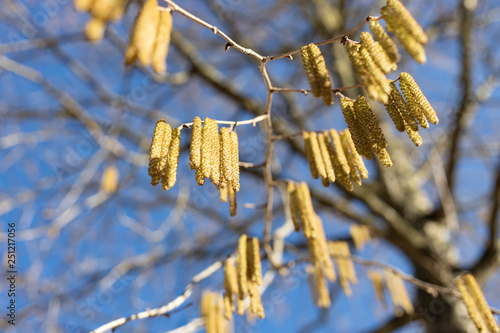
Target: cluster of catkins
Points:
x,y
215,155
317,73
243,279
333,156
101,11
395,284
212,312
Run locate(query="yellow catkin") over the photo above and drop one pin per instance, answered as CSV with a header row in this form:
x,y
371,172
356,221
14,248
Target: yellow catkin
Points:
x,y
324,142
480,301
223,192
294,205
200,178
353,172
339,169
383,156
360,235
215,158
142,41
410,23
323,293
218,314
318,246
309,155
317,73
347,141
225,157
208,311
156,150
256,264
378,284
109,180
228,306
206,148
316,153
339,150
163,164
83,5
398,293
306,210
338,251
377,53
162,41
232,200
362,72
472,309
385,41
194,148
94,29
413,105
241,267
170,176
230,287
378,77
255,301
395,115
399,102
367,116
362,144
235,161
419,97
411,45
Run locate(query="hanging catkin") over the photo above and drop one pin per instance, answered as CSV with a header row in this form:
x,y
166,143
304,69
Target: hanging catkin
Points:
x,y
362,72
317,73
170,176
366,115
142,41
384,40
162,41
235,161
404,16
255,301
254,270
377,53
194,149
363,146
215,157
413,104
327,162
109,180
472,309
403,107
309,154
480,301
241,267
348,145
226,164
206,149
230,287
306,210
379,80
294,205
232,199
378,284
419,97
411,45
156,151
339,151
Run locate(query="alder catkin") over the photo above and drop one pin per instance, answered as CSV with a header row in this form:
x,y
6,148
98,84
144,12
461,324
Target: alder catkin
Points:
x,y
362,72
419,97
480,301
235,161
294,206
194,148
403,107
317,73
253,260
358,160
226,164
169,178
413,105
143,37
377,53
215,158
339,151
206,148
232,199
109,180
155,154
411,45
162,41
241,266
340,171
378,284
255,301
306,210
324,142
366,115
83,5
309,155
384,40
363,146
407,19
94,29
378,77
472,309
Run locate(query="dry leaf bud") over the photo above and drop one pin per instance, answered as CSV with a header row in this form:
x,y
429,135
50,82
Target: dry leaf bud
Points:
x,y
410,23
162,42
324,142
411,45
317,73
309,155
235,161
425,106
413,104
472,309
294,205
480,301
384,40
143,37
377,53
169,178
109,181
194,149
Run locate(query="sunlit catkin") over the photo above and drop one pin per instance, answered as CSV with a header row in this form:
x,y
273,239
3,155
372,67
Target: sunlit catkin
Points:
x,y
472,309
226,164
347,142
223,192
107,10
410,23
94,29
324,142
362,72
419,97
340,172
253,259
403,108
143,37
395,115
255,301
309,154
241,266
162,41
378,77
413,104
155,154
340,251
399,294
366,115
339,150
235,161
363,146
170,176
411,45
318,247
194,148
206,149
230,287
208,312
378,284
294,205
323,292
377,53
317,73
306,210
317,157
480,301
383,156
232,199
109,180
215,157
360,235
83,5
384,40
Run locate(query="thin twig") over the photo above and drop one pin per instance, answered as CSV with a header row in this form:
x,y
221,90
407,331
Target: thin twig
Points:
x,y
306,91
234,124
